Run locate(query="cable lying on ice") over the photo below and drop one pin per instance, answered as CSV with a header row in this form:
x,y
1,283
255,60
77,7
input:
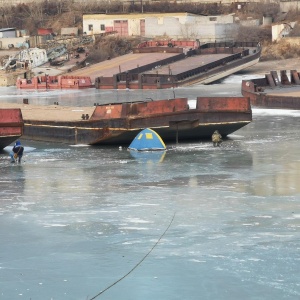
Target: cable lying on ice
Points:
x,y
107,288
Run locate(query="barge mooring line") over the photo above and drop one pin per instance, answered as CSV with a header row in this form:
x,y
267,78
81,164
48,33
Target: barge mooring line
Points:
x,y
162,235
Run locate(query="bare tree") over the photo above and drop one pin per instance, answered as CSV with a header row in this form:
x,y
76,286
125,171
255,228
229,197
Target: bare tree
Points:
x,y
253,33
189,30
35,13
5,16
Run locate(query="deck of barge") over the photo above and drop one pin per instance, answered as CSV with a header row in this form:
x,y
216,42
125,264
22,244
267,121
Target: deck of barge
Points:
x,y
50,112
291,91
274,91
187,64
133,60
121,64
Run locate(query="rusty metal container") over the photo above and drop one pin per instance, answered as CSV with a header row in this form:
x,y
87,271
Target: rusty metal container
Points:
x,y
11,126
44,31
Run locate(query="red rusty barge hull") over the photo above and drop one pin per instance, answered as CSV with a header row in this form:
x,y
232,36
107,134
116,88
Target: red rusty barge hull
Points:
x,y
11,126
47,82
274,91
174,120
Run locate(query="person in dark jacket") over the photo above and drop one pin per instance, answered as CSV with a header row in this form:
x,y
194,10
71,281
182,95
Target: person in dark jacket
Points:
x,y
17,152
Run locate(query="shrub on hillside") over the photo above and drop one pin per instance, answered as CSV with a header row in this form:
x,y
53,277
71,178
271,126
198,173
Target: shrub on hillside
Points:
x,y
296,30
279,50
109,47
254,33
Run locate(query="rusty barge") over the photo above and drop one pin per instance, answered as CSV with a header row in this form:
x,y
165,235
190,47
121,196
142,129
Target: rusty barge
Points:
x,y
11,126
181,63
47,82
274,91
175,120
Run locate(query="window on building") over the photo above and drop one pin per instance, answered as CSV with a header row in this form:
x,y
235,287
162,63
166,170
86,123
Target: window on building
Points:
x,y
90,27
213,19
160,20
102,27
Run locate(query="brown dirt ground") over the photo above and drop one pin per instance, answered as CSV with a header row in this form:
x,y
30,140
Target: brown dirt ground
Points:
x,y
264,67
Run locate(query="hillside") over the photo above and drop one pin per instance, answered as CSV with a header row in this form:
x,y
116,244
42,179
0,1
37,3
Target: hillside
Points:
x,y
59,14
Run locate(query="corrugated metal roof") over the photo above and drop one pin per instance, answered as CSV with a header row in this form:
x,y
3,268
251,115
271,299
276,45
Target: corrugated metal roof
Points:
x,y
7,29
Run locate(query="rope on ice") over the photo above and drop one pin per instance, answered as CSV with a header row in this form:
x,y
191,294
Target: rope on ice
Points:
x,y
137,263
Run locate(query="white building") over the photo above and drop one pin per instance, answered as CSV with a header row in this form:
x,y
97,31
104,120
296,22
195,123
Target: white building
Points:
x,y
172,25
282,30
205,28
8,33
124,24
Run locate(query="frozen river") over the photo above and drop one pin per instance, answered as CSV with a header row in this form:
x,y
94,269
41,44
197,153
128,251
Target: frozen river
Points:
x,y
197,222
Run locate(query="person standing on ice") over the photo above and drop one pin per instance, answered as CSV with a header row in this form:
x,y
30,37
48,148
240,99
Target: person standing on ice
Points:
x,y
216,138
17,152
